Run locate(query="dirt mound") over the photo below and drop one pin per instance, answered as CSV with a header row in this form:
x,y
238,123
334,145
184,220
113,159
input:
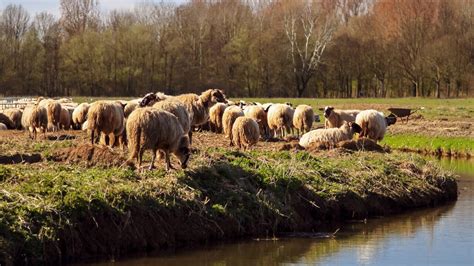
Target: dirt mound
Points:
x,y
20,158
293,145
61,137
362,144
89,154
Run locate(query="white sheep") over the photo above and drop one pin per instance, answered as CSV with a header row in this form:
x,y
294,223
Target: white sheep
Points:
x,y
280,118
329,136
245,132
107,118
3,127
335,117
34,119
53,109
303,118
79,115
178,109
373,124
228,118
215,117
257,113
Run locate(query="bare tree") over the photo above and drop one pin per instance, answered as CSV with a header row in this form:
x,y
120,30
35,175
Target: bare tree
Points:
x,y
77,15
15,24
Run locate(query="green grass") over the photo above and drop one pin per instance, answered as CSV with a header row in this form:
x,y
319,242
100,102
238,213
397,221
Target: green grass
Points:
x,y
453,145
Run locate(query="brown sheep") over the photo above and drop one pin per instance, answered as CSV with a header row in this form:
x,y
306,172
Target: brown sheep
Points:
x,y
53,109
257,113
107,118
150,128
14,115
178,109
245,132
35,118
303,119
65,119
4,119
228,118
215,117
79,115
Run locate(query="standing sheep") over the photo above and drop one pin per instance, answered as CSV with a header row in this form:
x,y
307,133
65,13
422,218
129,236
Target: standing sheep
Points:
x,y
257,113
303,119
79,115
373,124
215,117
231,113
335,118
280,117
65,119
53,109
178,109
330,136
35,118
107,118
150,128
245,132
14,115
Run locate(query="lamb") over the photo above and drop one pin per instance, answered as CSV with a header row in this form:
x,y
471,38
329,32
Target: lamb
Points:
x,y
373,124
79,115
53,109
215,117
150,128
14,115
335,118
4,119
330,136
65,119
257,113
107,118
231,113
34,119
178,109
245,132
280,117
303,118
3,127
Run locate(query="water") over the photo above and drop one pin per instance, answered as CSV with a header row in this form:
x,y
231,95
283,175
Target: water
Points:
x,y
442,236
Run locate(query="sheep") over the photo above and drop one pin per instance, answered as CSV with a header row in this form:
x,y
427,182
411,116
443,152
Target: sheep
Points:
x,y
215,117
329,136
303,118
79,115
335,118
3,127
34,119
14,115
106,117
245,132
178,109
373,124
53,109
257,113
279,118
151,128
65,119
231,113
130,106
4,119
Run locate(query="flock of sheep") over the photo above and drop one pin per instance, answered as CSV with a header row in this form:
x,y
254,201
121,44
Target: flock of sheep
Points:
x,y
164,123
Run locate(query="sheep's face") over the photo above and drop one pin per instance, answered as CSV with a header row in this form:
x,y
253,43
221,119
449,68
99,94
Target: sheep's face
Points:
x,y
148,99
355,127
184,152
327,111
390,120
218,96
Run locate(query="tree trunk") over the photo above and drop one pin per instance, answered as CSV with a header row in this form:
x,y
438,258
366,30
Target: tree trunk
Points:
x,y
438,92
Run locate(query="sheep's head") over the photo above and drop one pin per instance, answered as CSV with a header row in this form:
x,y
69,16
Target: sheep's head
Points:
x,y
289,104
148,100
218,96
355,127
327,111
183,152
391,119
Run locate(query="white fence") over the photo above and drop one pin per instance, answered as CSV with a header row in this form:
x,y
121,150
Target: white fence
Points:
x,y
15,102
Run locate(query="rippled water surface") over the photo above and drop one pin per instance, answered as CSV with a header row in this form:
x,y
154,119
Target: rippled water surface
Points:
x,y
443,235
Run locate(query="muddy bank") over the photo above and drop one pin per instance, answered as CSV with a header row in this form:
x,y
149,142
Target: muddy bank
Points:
x,y
437,153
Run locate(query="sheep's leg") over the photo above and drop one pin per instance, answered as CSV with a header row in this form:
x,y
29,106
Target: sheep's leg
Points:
x,y
152,165
92,136
190,136
168,161
111,140
140,157
298,132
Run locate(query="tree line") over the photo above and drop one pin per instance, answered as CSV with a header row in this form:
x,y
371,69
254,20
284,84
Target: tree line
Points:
x,y
249,48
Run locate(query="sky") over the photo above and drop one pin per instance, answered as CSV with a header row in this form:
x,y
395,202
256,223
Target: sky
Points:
x,y
52,6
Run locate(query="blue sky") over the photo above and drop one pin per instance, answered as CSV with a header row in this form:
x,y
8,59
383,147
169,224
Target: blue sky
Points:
x,y
52,6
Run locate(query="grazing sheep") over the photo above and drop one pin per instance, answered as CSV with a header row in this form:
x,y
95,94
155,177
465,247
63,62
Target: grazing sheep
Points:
x,y
330,136
215,117
15,117
130,106
4,119
79,115
257,113
178,109
3,127
34,119
228,118
106,117
65,119
245,132
150,128
303,119
53,109
335,118
373,124
279,118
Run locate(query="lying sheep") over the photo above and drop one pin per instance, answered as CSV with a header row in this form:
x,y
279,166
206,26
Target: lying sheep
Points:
x,y
3,127
245,132
303,119
215,117
257,113
330,136
150,128
280,117
335,118
373,124
107,118
231,113
53,109
178,109
4,119
79,115
34,119
65,119
14,115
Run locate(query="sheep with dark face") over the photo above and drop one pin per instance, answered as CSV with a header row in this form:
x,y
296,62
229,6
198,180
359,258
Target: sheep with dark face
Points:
x,y
329,136
373,124
336,118
151,129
